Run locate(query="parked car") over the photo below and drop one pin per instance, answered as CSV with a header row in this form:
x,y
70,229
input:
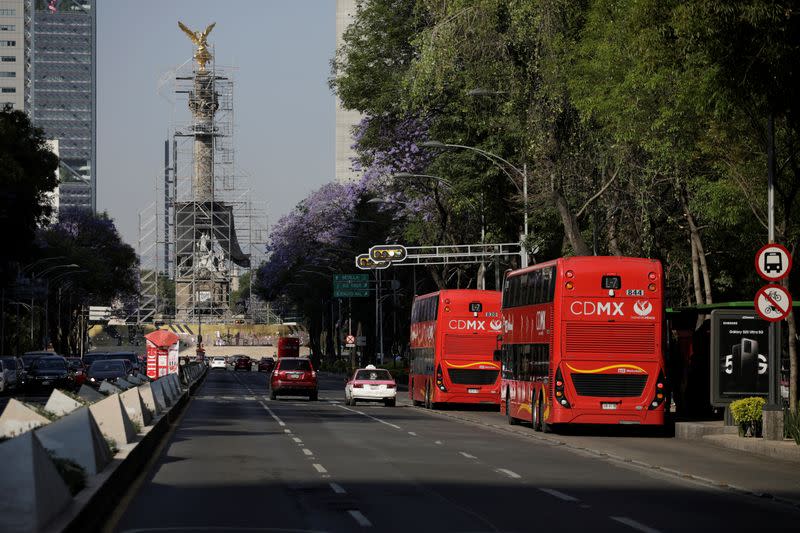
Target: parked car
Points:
x,y
106,370
12,373
218,362
294,376
77,370
30,357
266,364
242,363
131,357
371,384
48,372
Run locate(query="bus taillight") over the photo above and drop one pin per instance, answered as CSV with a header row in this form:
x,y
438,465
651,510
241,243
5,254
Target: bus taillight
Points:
x,y
440,379
559,390
661,393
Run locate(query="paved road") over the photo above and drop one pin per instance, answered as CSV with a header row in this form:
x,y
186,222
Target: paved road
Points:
x,y
238,461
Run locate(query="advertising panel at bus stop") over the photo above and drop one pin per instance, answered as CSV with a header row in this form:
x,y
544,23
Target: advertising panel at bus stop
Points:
x,y
739,356
162,353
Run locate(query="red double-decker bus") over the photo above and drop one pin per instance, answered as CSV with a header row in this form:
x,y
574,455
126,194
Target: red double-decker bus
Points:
x,y
453,339
584,342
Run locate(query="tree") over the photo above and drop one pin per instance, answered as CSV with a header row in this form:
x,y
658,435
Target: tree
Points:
x,y
27,176
108,271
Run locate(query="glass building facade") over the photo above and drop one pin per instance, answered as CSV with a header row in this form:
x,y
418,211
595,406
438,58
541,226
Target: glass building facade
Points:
x,y
61,90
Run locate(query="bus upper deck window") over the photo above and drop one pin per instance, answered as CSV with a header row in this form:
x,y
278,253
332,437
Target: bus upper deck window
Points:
x,y
612,282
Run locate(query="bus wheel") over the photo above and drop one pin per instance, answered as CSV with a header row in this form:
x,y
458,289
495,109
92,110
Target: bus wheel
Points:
x,y
545,427
511,420
537,415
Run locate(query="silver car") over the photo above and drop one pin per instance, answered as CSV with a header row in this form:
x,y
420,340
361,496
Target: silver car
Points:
x,y
11,373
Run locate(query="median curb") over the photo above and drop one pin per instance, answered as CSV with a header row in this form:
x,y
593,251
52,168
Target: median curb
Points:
x,y
92,506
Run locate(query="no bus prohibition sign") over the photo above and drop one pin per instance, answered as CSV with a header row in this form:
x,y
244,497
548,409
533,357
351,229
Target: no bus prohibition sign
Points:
x,y
773,303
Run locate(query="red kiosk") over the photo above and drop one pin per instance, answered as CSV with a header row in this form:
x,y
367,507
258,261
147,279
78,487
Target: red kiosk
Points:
x,y
162,353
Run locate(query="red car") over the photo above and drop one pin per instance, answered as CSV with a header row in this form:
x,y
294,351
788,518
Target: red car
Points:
x,y
242,363
266,364
294,376
77,370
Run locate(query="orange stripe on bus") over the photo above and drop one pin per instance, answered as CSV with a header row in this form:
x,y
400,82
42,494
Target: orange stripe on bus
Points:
x,y
451,365
603,369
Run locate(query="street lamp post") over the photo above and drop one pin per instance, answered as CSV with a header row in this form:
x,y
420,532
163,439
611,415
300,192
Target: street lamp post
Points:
x,y
494,158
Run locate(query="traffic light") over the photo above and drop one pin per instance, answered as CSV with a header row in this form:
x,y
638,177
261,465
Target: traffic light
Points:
x,y
363,262
388,252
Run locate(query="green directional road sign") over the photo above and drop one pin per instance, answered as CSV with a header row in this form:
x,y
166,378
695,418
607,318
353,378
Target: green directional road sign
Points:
x,y
350,285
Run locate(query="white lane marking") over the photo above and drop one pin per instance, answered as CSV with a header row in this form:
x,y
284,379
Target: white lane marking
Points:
x,y
360,518
319,468
278,420
298,441
287,430
307,451
337,488
634,524
468,456
509,473
250,397
438,442
560,495
412,433
369,416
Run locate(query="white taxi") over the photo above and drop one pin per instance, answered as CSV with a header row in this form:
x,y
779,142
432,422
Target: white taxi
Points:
x,y
371,384
218,362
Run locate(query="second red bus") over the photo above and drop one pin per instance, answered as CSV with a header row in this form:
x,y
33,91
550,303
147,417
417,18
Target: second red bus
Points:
x,y
453,338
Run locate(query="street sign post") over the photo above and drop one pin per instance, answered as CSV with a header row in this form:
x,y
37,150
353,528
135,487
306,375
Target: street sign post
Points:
x,y
773,262
773,303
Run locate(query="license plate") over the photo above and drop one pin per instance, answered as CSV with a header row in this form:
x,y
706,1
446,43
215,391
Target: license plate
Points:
x,y
295,376
609,406
473,391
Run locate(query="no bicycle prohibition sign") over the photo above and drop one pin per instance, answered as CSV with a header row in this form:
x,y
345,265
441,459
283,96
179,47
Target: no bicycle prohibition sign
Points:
x,y
773,303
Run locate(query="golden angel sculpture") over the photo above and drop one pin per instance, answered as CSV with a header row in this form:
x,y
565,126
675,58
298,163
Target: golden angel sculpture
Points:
x,y
202,55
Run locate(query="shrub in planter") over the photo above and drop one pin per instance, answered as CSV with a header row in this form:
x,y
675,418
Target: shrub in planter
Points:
x,y
747,415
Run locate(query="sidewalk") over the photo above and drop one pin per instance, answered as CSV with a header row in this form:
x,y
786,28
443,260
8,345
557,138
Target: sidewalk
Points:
x,y
715,432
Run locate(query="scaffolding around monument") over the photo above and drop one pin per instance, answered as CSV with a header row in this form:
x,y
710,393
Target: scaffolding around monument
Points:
x,y
203,245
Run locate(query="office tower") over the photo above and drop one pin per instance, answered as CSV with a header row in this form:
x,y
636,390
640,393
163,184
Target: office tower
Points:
x,y
346,119
12,53
61,89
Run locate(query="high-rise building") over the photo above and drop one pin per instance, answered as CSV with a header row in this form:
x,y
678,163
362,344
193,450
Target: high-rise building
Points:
x,y
346,119
12,53
61,87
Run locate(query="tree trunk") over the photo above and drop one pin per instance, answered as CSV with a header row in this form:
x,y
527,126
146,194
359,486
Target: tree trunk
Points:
x,y
698,292
698,250
613,241
437,278
571,229
794,377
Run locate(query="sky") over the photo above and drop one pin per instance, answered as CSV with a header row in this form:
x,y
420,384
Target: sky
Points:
x,y
284,111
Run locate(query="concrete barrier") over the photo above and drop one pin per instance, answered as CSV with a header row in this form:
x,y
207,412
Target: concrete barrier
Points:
x,y
18,418
77,437
134,379
160,397
169,391
113,420
33,491
149,400
109,388
136,410
60,404
89,394
123,384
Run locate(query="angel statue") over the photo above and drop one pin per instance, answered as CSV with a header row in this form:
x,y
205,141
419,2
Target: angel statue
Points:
x,y
202,55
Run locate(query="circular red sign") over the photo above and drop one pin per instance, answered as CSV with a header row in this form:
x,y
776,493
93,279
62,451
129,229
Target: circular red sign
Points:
x,y
773,303
773,262
350,340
